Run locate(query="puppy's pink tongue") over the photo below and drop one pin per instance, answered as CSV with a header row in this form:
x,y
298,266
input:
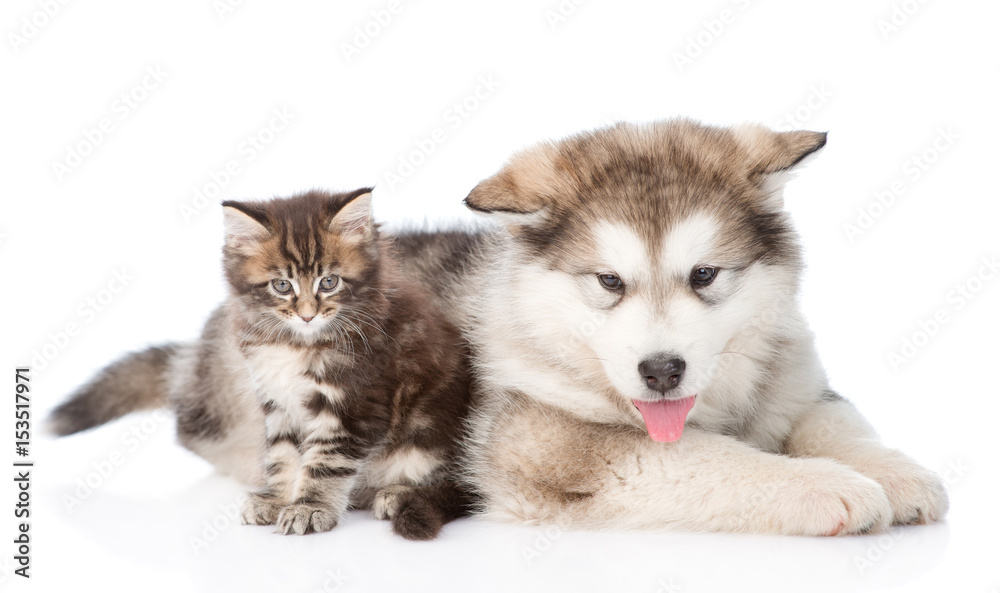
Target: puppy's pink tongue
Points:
x,y
665,419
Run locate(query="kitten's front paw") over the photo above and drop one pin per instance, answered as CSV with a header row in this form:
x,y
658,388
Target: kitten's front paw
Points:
x,y
260,510
917,495
303,518
387,501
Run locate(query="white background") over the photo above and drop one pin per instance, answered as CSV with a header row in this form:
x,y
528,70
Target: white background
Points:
x,y
885,92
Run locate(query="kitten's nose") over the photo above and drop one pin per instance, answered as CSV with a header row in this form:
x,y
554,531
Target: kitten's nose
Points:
x,y
307,319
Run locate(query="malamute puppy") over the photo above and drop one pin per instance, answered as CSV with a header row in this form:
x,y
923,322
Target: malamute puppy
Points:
x,y
640,356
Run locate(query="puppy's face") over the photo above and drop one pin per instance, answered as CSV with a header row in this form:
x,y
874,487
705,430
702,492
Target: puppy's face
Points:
x,y
648,249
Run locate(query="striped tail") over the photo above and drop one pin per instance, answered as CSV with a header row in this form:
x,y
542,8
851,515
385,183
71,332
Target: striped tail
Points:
x,y
136,382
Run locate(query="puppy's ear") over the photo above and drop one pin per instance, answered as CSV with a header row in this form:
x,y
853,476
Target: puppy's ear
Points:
x,y
527,189
773,157
773,152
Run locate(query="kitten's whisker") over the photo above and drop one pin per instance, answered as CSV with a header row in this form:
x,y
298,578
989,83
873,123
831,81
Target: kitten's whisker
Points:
x,y
343,337
359,332
366,319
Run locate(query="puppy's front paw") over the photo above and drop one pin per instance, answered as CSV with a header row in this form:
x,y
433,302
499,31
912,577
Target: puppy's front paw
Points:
x,y
259,509
832,499
303,518
917,495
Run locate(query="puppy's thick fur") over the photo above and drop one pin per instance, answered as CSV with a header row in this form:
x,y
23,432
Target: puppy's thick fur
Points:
x,y
597,272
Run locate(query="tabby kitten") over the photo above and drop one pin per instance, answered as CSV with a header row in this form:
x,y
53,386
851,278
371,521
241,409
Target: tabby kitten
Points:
x,y
326,379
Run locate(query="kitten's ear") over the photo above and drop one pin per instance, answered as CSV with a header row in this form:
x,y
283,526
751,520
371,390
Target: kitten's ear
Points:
x,y
242,229
354,220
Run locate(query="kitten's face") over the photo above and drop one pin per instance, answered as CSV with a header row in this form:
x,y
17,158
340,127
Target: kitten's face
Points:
x,y
304,267
305,299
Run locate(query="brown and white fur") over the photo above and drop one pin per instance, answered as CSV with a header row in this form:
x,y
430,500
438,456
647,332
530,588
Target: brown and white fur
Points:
x,y
617,251
326,379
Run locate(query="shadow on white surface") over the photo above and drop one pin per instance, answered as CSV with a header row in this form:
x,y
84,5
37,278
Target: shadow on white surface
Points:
x,y
171,523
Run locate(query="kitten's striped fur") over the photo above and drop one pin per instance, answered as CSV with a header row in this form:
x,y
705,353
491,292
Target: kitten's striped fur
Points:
x,y
324,398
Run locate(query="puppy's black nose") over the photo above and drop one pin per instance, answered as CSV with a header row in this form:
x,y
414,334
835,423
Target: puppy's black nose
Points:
x,y
662,373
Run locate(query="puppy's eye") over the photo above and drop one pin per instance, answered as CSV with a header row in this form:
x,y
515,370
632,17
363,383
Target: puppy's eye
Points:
x,y
703,276
281,286
611,281
329,283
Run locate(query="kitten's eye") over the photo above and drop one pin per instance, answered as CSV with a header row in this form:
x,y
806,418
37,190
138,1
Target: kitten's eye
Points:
x,y
611,281
703,276
281,286
329,283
